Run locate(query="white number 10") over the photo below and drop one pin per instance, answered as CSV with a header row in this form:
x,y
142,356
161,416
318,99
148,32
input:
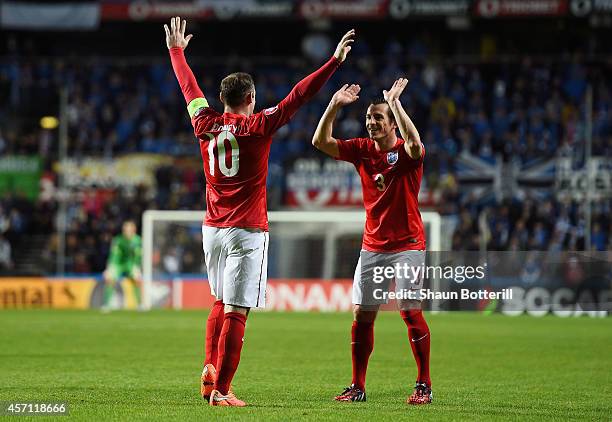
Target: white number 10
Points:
x,y
219,141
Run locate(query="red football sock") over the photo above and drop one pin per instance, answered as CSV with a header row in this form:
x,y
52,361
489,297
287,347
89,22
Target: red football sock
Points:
x,y
214,323
230,346
420,341
362,345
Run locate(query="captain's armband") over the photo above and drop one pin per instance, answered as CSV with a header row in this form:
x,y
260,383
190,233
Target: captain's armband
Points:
x,y
196,104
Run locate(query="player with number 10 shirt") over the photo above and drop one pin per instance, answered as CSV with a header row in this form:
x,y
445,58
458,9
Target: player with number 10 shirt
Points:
x,y
235,146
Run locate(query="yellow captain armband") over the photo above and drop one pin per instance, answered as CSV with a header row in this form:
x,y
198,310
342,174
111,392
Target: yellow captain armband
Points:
x,y
196,104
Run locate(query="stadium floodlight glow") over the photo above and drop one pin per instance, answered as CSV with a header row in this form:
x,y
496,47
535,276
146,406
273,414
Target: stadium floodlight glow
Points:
x,y
291,229
49,122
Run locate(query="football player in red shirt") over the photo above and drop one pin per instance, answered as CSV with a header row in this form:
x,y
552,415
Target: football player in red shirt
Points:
x,y
235,147
390,169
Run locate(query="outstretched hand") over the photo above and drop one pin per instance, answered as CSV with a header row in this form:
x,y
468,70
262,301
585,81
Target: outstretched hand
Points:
x,y
175,36
395,91
344,46
346,95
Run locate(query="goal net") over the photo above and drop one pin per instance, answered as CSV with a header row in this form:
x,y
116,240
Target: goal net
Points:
x,y
305,246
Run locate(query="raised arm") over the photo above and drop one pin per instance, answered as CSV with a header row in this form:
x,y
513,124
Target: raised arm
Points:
x,y
311,84
176,43
305,89
412,145
323,139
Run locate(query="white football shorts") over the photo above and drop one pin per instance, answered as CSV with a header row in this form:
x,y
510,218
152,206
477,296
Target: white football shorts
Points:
x,y
237,264
375,272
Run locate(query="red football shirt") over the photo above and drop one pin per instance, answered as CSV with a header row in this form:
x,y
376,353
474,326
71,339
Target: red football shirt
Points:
x,y
390,182
235,148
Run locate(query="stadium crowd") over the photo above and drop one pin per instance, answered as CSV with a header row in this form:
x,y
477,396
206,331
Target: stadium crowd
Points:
x,y
522,111
546,225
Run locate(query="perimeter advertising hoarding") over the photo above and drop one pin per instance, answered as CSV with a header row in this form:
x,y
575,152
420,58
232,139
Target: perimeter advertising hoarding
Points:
x,y
39,292
20,174
126,170
536,283
156,10
60,293
520,8
281,295
335,296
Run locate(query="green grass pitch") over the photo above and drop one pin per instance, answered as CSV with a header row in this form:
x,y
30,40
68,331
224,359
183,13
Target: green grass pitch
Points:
x,y
136,366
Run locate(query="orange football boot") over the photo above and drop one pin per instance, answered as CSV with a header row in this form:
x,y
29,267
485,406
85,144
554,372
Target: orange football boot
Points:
x,y
209,376
230,399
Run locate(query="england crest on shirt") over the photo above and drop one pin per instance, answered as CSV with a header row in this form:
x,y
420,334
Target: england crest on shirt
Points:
x,y
392,157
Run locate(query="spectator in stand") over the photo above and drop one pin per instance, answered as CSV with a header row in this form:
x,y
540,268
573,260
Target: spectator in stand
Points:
x,y
6,262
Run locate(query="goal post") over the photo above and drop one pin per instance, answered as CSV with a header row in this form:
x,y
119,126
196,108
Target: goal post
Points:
x,y
304,244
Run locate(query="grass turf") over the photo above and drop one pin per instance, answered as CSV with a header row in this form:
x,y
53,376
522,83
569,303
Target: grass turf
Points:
x,y
128,365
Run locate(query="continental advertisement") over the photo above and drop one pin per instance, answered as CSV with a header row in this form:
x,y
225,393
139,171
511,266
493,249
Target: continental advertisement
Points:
x,y
61,293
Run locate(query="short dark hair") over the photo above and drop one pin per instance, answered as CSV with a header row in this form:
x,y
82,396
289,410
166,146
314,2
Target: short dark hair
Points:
x,y
236,86
381,100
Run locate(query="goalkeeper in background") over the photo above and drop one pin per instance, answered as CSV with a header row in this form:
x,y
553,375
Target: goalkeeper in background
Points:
x,y
124,262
